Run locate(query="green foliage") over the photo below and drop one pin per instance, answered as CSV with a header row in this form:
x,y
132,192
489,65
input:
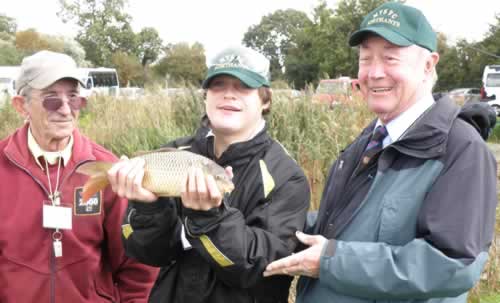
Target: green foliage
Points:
x,y
108,39
274,36
149,45
130,70
495,134
462,65
9,55
183,62
7,24
321,50
9,117
104,27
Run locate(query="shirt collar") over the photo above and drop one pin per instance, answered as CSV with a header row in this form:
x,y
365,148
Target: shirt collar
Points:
x,y
398,126
50,157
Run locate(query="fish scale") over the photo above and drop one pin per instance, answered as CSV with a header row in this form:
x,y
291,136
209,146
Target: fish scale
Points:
x,y
164,173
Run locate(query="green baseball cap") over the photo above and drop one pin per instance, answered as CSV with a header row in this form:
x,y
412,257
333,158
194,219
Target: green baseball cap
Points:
x,y
399,24
249,66
44,68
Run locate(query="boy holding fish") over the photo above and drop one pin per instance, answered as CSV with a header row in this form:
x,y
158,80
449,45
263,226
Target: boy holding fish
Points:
x,y
214,247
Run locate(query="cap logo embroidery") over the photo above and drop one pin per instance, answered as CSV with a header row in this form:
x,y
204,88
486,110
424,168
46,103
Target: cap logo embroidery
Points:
x,y
387,16
230,61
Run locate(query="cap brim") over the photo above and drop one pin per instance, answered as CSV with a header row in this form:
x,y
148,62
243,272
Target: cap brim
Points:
x,y
246,77
358,36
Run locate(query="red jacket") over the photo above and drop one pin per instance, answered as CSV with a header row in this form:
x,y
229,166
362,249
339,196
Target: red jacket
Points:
x,y
93,267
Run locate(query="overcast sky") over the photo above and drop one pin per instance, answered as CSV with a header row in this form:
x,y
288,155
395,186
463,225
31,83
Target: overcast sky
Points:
x,y
218,23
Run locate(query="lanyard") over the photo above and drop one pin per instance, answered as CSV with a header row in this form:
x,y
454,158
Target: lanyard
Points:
x,y
55,199
54,196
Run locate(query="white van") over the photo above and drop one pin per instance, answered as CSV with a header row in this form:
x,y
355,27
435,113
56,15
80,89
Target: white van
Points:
x,y
491,82
8,76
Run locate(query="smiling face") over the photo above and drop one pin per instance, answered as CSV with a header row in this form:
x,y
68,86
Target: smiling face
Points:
x,y
52,129
234,110
393,78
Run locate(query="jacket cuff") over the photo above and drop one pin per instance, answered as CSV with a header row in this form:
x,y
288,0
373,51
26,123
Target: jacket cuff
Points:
x,y
150,208
199,222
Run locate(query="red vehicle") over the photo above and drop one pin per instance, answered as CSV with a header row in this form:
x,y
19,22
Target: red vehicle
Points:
x,y
336,91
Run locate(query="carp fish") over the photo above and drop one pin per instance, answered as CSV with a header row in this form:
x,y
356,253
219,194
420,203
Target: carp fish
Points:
x,y
165,172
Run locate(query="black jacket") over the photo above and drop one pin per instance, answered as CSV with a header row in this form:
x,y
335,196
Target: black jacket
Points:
x,y
231,245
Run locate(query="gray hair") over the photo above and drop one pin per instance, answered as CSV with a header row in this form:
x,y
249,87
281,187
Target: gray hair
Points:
x,y
26,92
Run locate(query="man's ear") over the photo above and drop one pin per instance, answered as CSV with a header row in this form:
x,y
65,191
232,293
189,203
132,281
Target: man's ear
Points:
x,y
431,61
19,103
266,105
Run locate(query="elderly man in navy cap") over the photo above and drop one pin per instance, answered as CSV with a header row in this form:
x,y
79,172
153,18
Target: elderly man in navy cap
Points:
x,y
408,211
54,247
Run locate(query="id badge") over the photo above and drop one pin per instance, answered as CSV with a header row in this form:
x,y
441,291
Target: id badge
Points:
x,y
57,217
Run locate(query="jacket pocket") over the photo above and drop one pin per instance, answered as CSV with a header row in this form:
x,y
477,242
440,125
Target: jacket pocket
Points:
x,y
398,220
105,288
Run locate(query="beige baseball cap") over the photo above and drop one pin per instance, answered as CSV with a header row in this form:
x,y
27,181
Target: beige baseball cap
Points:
x,y
44,68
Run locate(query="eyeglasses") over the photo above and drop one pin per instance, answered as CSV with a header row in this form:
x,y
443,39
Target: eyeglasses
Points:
x,y
54,103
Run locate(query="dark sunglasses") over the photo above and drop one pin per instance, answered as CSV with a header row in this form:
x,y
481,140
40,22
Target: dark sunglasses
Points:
x,y
54,103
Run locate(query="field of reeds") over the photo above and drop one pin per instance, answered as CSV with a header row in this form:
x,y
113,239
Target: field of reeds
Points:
x,y
312,134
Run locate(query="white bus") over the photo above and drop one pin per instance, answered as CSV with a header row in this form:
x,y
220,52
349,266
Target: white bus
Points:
x,y
101,80
8,77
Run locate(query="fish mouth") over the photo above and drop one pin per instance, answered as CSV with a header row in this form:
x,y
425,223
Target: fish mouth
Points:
x,y
229,188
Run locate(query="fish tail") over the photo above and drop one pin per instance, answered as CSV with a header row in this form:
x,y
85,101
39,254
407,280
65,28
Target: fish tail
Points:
x,y
97,170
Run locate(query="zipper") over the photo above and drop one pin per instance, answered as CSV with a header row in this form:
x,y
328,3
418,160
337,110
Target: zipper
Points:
x,y
52,294
349,193
351,189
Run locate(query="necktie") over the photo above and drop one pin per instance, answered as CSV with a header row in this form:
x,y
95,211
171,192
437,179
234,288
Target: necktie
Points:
x,y
375,145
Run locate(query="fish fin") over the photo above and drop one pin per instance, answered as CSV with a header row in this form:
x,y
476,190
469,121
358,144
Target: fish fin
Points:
x,y
96,183
94,168
97,170
159,150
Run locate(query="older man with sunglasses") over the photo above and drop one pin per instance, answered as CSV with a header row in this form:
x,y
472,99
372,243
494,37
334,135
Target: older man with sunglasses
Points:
x,y
54,247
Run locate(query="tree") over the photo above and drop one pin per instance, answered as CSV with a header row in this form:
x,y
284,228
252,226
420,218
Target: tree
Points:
x,y
7,25
274,36
462,64
8,52
9,55
104,27
321,49
300,66
183,63
129,69
149,45
30,41
450,67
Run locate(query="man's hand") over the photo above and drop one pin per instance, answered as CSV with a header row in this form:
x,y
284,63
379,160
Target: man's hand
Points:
x,y
126,177
200,191
304,263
